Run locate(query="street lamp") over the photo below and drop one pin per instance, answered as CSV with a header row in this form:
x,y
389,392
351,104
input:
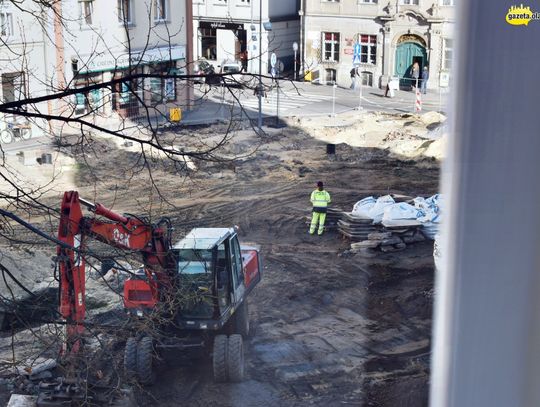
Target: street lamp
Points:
x,y
295,49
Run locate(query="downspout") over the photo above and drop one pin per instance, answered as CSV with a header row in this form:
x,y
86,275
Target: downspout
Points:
x,y
189,48
59,47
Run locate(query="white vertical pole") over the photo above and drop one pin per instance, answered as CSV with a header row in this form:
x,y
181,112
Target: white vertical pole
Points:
x,y
334,99
360,97
295,76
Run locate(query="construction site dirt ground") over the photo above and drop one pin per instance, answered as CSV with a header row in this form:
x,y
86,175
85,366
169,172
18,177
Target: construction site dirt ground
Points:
x,y
329,327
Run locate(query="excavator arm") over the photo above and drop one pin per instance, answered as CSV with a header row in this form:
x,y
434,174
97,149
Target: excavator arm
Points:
x,y
121,231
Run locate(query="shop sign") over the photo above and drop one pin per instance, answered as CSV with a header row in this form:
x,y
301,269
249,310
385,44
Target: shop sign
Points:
x,y
219,25
108,62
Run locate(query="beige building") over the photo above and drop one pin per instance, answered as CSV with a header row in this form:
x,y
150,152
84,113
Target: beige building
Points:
x,y
382,38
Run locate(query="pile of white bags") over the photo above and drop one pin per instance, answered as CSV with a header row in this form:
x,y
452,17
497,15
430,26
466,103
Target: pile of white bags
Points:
x,y
373,208
425,210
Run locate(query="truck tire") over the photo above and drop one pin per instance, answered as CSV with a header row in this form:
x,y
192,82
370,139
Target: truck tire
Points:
x,y
219,358
145,355
130,357
235,358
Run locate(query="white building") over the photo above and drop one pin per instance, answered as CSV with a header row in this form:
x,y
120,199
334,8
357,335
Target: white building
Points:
x,y
229,30
25,67
390,35
88,42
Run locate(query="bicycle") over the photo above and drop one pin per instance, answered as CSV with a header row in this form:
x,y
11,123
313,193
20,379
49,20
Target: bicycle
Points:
x,y
8,135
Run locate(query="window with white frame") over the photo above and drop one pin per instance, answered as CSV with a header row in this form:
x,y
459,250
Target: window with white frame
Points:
x,y
448,51
368,1
245,1
412,2
332,1
86,11
6,24
330,43
125,11
448,2
160,10
368,49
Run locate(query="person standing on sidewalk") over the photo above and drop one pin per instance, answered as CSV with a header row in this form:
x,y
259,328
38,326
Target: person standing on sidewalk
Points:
x,y
354,74
320,200
425,77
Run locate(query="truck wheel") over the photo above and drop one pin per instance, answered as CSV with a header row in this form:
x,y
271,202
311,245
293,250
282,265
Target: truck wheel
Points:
x,y
235,358
145,354
219,358
130,357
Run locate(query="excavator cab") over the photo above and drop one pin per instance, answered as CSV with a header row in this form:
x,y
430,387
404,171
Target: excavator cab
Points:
x,y
214,274
212,269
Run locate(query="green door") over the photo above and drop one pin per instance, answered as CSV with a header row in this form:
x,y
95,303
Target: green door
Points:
x,y
406,54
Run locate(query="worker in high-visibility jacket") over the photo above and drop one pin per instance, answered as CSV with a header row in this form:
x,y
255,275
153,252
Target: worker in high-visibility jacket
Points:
x,y
320,200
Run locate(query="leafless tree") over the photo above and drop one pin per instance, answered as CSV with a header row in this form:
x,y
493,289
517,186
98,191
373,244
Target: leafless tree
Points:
x,y
123,117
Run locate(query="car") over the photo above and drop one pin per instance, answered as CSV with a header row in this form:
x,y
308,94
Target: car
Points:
x,y
206,72
233,75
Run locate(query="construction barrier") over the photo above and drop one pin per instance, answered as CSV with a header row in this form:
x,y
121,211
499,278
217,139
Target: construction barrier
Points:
x,y
418,102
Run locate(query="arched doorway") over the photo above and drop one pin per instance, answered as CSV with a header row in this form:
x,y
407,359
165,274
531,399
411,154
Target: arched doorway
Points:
x,y
410,49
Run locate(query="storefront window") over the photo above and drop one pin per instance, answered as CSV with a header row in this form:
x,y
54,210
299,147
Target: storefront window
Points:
x,y
88,101
162,89
128,95
208,43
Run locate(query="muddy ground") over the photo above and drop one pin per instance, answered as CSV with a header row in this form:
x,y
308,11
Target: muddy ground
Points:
x,y
330,327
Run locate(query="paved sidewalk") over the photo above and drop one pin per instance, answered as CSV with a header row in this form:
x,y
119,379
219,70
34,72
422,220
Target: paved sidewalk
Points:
x,y
304,99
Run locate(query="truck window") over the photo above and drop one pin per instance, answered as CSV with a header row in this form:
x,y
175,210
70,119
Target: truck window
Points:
x,y
237,260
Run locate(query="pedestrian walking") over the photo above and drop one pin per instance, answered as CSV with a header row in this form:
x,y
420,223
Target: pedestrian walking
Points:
x,y
354,75
425,77
415,74
320,200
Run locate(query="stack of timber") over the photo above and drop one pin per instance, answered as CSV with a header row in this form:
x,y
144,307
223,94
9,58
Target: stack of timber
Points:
x,y
394,236
333,216
355,227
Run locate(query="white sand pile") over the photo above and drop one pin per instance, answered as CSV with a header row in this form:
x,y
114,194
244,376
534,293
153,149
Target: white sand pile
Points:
x,y
405,135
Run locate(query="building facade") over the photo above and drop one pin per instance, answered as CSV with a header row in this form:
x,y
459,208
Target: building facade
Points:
x,y
389,35
77,43
104,43
229,30
25,67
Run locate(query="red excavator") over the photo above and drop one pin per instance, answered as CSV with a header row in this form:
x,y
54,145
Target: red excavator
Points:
x,y
194,292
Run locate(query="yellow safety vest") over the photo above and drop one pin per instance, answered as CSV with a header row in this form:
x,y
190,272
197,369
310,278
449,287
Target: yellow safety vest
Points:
x,y
320,199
